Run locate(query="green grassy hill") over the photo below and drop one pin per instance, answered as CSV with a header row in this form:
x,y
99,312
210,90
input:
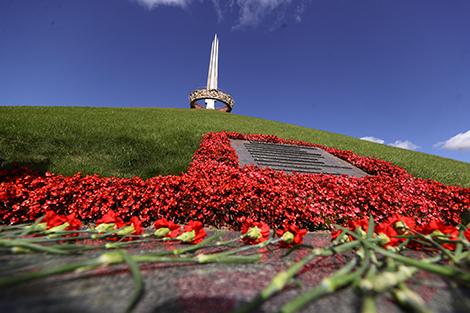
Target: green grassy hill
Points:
x,y
148,142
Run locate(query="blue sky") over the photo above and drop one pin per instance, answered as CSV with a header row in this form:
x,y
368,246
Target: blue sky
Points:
x,y
398,71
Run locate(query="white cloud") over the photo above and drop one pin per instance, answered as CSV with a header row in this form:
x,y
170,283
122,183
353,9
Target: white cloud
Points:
x,y
253,11
460,141
373,139
150,4
299,11
218,9
404,144
250,12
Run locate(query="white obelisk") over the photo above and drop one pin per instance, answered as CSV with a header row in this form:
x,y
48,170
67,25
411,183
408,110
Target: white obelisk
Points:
x,y
213,71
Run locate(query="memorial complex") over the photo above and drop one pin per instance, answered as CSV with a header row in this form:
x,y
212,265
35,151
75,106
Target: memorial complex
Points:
x,y
211,94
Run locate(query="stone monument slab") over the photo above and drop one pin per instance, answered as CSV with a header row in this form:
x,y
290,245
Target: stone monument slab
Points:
x,y
292,158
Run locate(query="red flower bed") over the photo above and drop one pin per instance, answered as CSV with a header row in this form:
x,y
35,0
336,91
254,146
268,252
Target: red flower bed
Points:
x,y
217,192
402,230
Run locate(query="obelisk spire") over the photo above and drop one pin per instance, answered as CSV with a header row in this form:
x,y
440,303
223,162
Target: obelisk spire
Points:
x,y
212,76
211,94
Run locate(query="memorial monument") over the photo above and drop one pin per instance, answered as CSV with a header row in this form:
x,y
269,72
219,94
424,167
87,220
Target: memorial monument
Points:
x,y
211,94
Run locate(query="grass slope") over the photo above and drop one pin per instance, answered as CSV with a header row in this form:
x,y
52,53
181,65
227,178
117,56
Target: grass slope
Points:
x,y
148,142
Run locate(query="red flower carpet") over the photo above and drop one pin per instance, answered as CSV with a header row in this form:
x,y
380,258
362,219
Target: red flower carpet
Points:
x,y
215,191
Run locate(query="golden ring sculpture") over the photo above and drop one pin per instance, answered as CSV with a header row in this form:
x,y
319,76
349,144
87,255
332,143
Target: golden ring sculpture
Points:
x,y
200,94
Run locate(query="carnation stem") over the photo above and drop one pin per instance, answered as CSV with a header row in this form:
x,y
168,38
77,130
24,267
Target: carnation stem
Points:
x,y
138,281
24,277
437,246
368,304
75,247
384,281
409,300
54,239
223,258
31,229
277,284
20,243
196,247
340,279
116,245
113,260
15,226
281,279
424,264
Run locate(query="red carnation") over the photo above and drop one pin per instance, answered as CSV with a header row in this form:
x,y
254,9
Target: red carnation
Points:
x,y
291,235
335,234
110,217
109,222
193,233
387,234
137,224
132,228
254,232
403,224
52,219
166,228
358,226
74,222
439,228
361,224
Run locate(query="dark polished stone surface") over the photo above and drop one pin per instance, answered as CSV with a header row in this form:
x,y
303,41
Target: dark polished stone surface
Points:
x,y
292,158
176,287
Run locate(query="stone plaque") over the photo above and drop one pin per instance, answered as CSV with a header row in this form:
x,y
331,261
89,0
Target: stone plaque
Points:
x,y
292,158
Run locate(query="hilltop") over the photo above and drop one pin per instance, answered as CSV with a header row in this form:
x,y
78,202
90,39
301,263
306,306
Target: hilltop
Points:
x,y
146,142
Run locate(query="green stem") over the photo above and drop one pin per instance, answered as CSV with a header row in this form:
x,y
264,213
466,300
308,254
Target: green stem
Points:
x,y
55,239
340,279
251,247
204,258
281,279
228,259
195,247
118,245
277,284
368,304
138,281
15,226
403,245
75,247
76,231
370,227
24,277
424,264
409,300
459,248
226,242
437,246
32,228
344,247
20,243
384,281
